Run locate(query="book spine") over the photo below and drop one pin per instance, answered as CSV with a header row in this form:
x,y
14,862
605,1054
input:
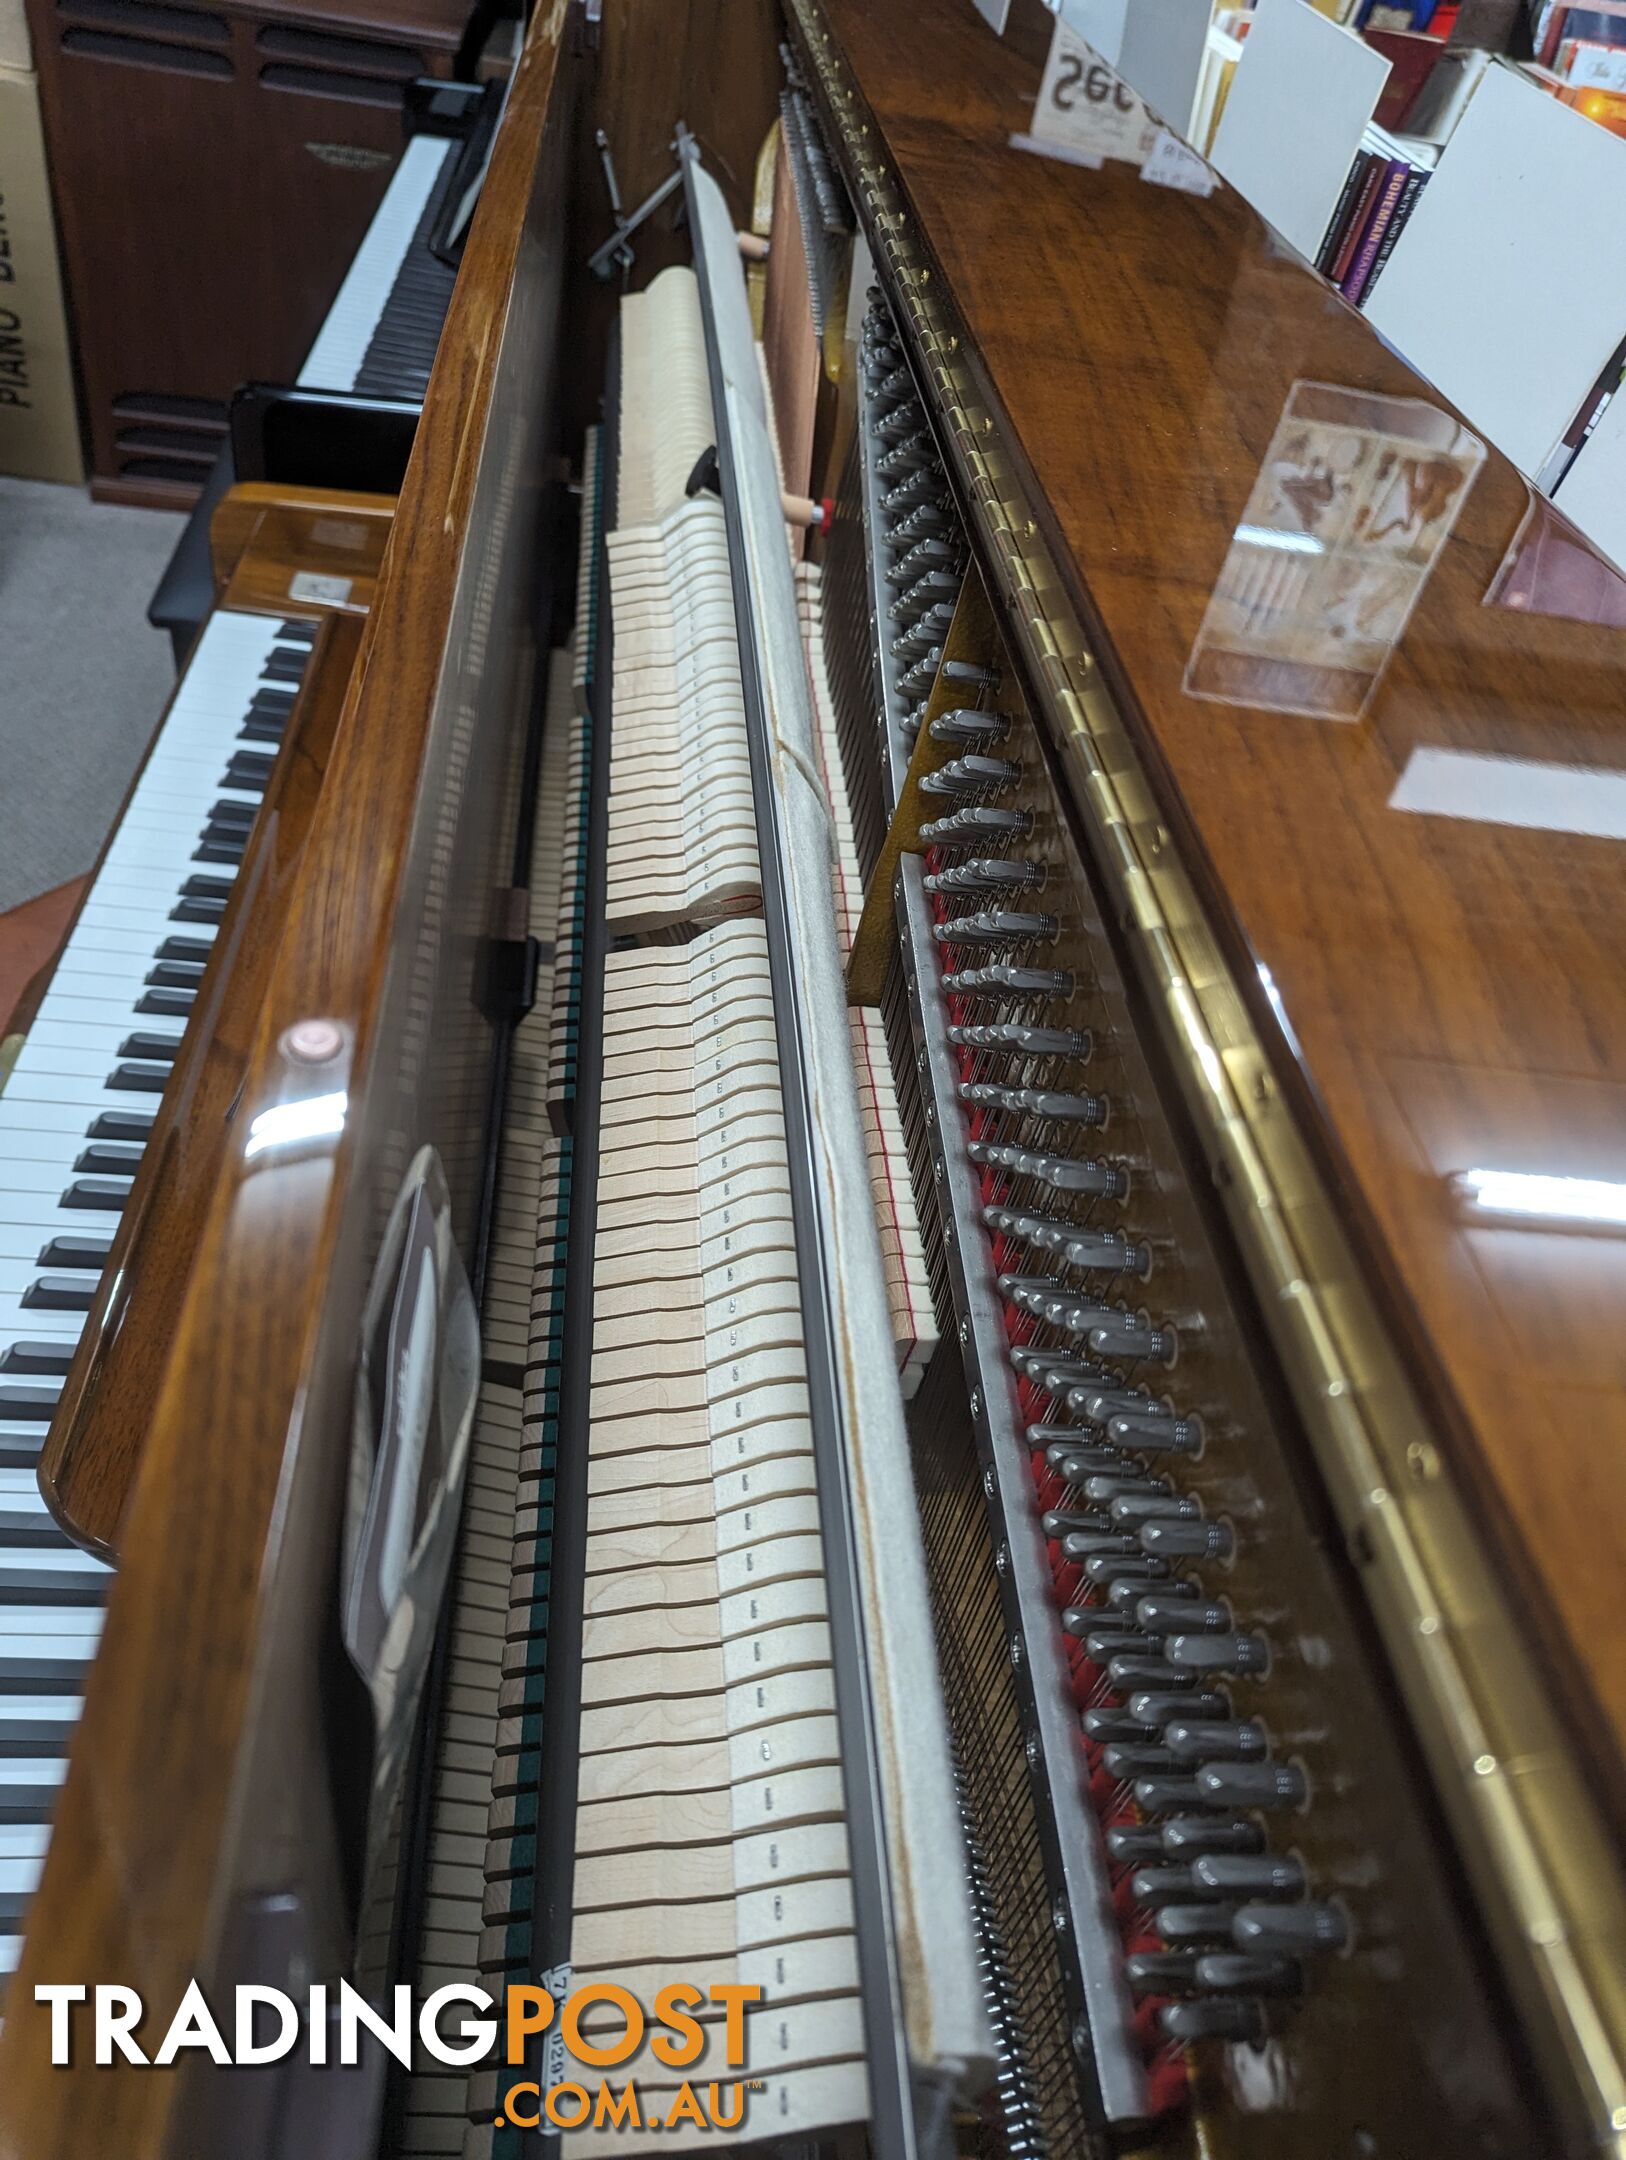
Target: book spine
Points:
x,y
1393,184
1358,216
1414,186
1335,224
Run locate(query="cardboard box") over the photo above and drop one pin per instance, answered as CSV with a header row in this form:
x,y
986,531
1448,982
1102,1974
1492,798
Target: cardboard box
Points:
x,y
15,50
39,417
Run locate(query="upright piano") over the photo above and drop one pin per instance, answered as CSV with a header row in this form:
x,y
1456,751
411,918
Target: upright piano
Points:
x,y
1022,1077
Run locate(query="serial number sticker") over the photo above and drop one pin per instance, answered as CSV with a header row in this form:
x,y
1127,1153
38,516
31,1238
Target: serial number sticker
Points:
x,y
318,585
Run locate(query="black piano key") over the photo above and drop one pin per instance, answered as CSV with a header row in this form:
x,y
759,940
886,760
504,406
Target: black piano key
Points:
x,y
200,887
146,1043
59,1293
240,814
36,1357
175,1003
76,1252
176,975
281,667
110,1158
248,769
298,630
121,1125
106,1195
138,1079
27,1405
261,728
220,851
197,911
273,704
190,951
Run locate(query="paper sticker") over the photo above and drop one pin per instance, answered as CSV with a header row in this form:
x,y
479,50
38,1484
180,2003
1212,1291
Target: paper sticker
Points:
x,y
1170,163
317,585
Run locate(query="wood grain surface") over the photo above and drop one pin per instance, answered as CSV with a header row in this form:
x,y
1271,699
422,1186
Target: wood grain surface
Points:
x,y
1439,993
202,1830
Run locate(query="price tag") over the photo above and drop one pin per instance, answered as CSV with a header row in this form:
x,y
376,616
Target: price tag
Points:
x,y
1171,163
1084,113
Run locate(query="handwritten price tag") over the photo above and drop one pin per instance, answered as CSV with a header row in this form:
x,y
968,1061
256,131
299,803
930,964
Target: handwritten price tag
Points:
x,y
1084,113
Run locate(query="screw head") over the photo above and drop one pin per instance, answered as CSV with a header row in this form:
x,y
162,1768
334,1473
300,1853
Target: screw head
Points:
x,y
1058,1916
965,1331
1016,1650
988,1481
1081,2039
976,1402
1030,1748
1002,1559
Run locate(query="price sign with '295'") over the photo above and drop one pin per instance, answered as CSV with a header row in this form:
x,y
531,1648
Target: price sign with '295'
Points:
x,y
1084,110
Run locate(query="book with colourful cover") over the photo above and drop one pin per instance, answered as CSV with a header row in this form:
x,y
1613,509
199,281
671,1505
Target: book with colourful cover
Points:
x,y
1393,174
1416,180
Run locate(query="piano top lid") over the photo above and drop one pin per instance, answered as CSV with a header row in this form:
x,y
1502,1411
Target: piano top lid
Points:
x,y
1423,906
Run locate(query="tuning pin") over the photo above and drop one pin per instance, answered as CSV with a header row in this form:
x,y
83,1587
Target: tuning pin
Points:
x,y
1154,1505
1021,1040
1241,1972
1186,1539
1294,1930
1266,1785
1161,1972
1237,1653
965,725
1248,1875
1133,1841
1103,1725
1162,1708
1162,1615
1216,1739
970,775
1235,2018
1195,1922
986,874
1131,1336
1062,1173
983,822
1156,1431
1055,1106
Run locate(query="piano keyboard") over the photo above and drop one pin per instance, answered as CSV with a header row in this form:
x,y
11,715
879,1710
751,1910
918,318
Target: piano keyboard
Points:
x,y
74,1118
380,335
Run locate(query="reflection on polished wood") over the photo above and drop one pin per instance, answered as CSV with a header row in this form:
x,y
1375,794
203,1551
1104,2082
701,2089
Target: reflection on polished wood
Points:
x,y
1435,990
222,1605
264,535
89,1463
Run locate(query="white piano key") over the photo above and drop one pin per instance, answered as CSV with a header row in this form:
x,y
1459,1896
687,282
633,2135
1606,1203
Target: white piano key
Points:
x,y
341,345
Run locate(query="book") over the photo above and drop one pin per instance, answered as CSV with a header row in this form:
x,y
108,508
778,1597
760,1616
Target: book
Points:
x,y
1412,60
1416,180
1355,222
1337,224
1394,173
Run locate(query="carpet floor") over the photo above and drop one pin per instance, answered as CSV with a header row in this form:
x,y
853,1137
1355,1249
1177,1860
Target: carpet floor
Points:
x,y
83,675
